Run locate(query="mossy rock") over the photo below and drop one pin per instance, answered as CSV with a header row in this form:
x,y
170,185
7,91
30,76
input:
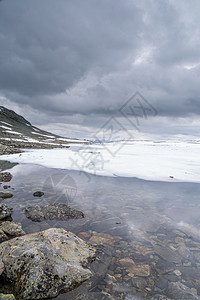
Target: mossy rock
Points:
x,y
7,297
42,265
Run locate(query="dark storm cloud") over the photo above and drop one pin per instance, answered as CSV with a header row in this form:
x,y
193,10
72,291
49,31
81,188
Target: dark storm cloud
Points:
x,y
90,56
47,46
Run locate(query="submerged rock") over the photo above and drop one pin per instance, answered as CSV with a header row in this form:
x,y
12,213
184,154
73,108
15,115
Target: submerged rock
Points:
x,y
104,238
56,211
177,291
6,187
9,230
42,265
167,253
5,177
6,194
5,211
93,296
38,194
135,269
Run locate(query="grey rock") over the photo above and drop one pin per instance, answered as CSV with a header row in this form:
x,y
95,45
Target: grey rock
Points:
x,y
3,236
163,267
6,187
5,211
38,194
56,211
185,252
167,253
190,273
179,291
1,266
5,177
161,283
47,263
6,194
11,229
139,283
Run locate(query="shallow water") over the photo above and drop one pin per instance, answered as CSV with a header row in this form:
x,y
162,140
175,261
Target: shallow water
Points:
x,y
154,226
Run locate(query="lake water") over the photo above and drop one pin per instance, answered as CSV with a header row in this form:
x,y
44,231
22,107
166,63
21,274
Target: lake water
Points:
x,y
148,230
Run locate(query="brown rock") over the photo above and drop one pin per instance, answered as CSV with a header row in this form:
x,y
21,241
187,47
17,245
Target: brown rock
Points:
x,y
179,240
126,262
84,235
104,238
143,270
135,269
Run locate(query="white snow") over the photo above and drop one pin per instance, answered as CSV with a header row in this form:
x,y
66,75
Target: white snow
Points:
x,y
13,139
43,135
36,133
36,129
142,159
72,140
31,140
13,132
5,127
48,136
6,123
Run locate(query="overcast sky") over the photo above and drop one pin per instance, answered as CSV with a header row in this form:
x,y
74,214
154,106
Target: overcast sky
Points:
x,y
69,65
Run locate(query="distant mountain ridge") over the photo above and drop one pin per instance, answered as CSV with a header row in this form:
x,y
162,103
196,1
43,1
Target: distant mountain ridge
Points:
x,y
13,116
16,131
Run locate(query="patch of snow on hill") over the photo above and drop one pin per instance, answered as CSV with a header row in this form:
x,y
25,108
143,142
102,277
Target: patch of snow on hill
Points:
x,y
5,127
6,123
13,132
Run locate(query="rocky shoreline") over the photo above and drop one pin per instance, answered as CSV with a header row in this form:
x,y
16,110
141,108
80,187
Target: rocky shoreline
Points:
x,y
6,149
13,147
44,264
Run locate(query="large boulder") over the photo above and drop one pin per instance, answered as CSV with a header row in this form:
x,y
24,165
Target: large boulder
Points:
x,y
55,211
42,265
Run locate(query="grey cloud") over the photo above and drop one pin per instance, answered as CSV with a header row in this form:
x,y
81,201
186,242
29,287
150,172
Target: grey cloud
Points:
x,y
48,46
65,58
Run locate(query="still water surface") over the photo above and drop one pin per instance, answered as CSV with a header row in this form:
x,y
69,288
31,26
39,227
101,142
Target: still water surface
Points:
x,y
148,231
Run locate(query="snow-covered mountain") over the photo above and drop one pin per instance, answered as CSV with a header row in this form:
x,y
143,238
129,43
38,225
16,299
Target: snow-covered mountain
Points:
x,y
16,131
